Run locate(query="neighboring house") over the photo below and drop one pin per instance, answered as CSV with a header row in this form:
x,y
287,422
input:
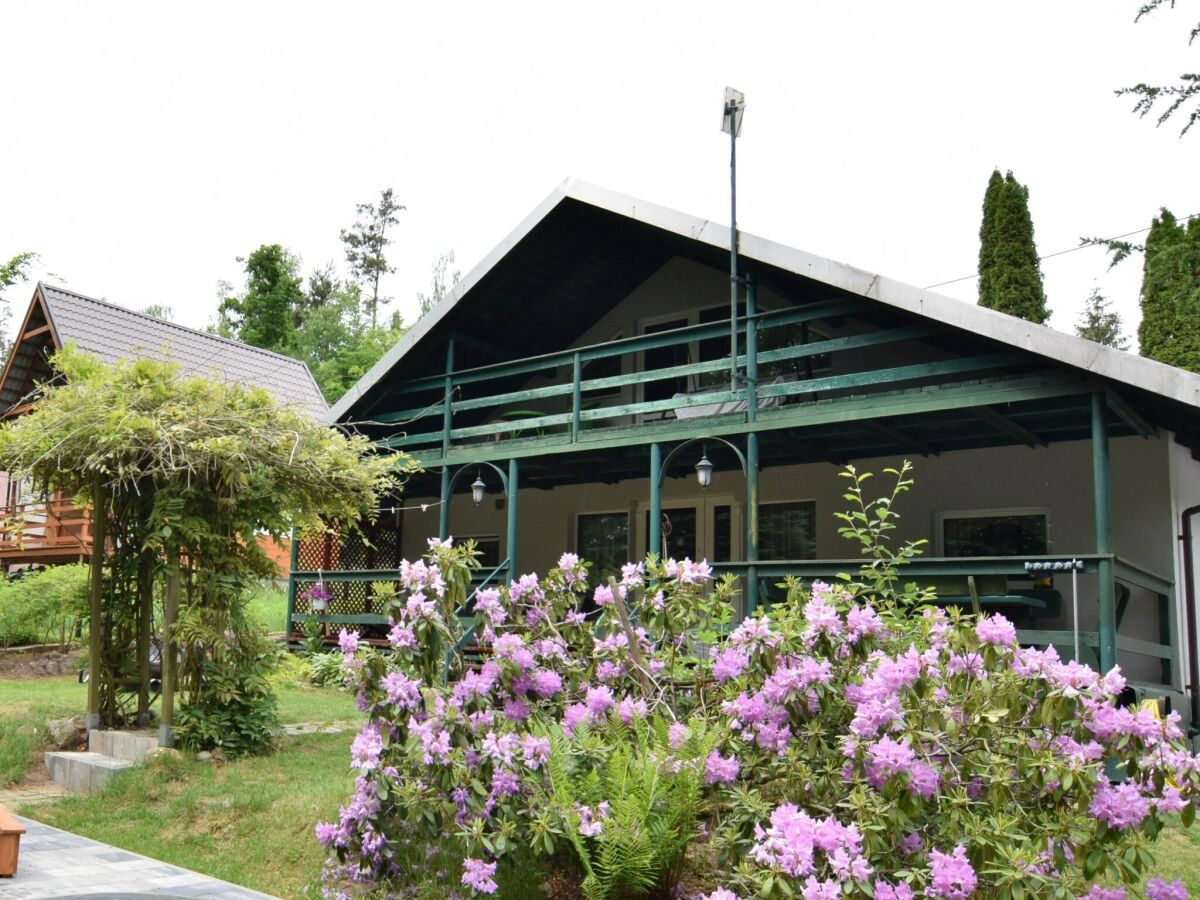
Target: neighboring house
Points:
x,y
582,370
57,531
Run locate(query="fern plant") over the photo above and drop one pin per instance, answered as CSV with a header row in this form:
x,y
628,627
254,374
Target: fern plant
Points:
x,y
629,808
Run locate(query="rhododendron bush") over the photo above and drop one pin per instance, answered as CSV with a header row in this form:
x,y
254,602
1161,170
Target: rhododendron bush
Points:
x,y
855,740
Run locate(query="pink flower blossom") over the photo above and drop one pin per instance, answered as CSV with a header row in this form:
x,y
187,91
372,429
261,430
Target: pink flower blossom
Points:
x,y
996,630
478,875
1157,889
719,770
951,876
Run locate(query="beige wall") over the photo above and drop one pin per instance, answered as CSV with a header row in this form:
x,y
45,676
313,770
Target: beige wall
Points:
x,y
1057,478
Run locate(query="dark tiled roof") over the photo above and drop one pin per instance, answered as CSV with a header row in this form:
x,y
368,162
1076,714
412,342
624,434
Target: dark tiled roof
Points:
x,y
113,332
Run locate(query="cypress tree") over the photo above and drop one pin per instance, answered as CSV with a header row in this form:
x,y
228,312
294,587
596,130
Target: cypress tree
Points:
x,y
1100,323
1010,276
1170,328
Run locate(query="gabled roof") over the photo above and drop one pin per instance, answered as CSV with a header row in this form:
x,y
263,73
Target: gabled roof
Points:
x,y
57,317
598,214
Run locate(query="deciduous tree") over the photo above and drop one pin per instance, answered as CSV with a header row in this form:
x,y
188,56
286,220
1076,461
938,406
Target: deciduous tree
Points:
x,y
366,244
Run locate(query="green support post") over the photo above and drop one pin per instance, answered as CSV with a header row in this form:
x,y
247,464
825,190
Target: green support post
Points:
x,y
512,519
1104,568
293,564
751,446
447,427
654,538
166,703
576,396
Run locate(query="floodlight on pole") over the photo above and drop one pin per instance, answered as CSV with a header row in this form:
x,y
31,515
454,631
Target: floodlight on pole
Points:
x,y
731,124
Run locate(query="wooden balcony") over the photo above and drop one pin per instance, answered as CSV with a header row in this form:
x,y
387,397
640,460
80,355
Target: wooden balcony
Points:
x,y
52,532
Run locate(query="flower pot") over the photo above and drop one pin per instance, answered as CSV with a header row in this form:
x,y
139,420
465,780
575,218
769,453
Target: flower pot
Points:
x,y
10,843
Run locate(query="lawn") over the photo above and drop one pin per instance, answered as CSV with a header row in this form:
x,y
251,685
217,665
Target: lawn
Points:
x,y
268,606
249,821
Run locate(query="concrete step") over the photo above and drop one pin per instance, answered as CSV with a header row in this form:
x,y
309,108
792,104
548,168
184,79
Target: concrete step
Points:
x,y
83,771
131,745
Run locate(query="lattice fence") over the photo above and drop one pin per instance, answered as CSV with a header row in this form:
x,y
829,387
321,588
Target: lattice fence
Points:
x,y
336,553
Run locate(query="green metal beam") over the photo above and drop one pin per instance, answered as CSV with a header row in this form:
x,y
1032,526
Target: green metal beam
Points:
x,y
1128,415
1005,425
654,538
1103,503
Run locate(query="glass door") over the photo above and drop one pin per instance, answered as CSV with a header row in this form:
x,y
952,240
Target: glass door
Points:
x,y
697,528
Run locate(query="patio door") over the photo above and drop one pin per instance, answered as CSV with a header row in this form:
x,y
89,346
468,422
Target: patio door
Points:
x,y
707,527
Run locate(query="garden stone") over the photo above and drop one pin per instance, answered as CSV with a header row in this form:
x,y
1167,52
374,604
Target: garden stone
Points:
x,y
204,756
162,754
63,734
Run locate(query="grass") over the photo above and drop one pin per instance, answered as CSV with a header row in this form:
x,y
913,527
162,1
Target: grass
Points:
x,y
268,606
249,821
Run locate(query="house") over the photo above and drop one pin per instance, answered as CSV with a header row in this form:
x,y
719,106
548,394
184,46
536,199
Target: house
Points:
x,y
56,531
579,382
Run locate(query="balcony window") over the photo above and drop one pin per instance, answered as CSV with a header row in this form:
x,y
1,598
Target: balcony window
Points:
x,y
998,532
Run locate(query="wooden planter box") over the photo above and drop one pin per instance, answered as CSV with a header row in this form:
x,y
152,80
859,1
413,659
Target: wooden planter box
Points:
x,y
10,843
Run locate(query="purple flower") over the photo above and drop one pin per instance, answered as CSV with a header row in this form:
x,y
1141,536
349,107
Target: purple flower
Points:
x,y
677,735
721,894
367,746
885,891
1102,893
546,683
572,716
598,700
950,875
536,751
401,690
729,663
603,595
1120,806
719,770
327,833
996,630
478,875
630,709
1157,889
348,641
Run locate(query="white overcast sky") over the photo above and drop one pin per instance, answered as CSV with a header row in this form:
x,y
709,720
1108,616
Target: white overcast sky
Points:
x,y
144,146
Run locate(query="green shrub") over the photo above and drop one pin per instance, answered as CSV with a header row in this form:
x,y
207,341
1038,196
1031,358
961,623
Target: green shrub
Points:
x,y
291,668
16,743
44,606
325,669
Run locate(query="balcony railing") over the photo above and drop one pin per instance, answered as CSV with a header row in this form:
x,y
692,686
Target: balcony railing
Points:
x,y
55,527
561,412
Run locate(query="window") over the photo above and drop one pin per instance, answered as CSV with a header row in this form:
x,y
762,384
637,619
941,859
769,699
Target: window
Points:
x,y
663,358
999,532
602,367
787,530
712,349
723,533
794,335
603,540
680,535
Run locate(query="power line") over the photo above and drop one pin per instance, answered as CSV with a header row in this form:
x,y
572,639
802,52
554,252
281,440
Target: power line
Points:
x,y
1059,253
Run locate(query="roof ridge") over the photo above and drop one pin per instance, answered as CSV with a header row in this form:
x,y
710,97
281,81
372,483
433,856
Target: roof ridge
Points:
x,y
176,325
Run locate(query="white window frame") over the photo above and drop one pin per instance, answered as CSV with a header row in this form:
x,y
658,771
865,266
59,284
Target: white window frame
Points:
x,y
939,519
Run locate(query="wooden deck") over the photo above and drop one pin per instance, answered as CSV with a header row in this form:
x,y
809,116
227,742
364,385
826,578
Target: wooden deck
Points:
x,y
54,532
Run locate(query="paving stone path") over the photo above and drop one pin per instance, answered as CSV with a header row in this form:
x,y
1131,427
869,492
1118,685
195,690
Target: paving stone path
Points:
x,y
55,863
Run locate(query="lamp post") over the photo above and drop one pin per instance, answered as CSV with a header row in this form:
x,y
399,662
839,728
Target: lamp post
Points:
x,y
731,124
478,489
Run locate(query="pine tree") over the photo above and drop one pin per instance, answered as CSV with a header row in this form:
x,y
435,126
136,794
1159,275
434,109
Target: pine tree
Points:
x,y
1010,276
987,232
1097,322
1170,326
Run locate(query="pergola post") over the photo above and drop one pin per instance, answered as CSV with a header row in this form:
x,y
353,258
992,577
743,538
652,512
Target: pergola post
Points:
x,y
95,592
751,446
654,538
1103,502
512,519
291,588
166,736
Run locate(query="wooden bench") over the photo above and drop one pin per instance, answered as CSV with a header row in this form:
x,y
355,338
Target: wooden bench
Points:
x,y
10,843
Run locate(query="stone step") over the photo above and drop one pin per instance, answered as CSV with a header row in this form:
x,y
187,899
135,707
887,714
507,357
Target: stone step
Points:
x,y
83,771
130,745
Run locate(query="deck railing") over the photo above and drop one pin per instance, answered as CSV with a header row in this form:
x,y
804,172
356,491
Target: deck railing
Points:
x,y
561,413
57,525
1141,591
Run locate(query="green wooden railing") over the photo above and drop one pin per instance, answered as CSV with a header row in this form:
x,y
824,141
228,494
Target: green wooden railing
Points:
x,y
562,414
